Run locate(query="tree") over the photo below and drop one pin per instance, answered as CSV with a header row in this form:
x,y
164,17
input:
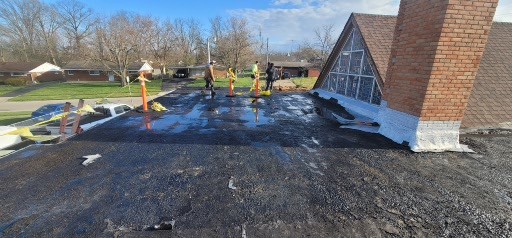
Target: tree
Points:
x,y
233,45
116,42
324,41
161,36
77,23
187,41
18,19
48,23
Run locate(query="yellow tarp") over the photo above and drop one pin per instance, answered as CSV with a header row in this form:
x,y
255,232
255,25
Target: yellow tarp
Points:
x,y
266,93
24,131
42,138
86,109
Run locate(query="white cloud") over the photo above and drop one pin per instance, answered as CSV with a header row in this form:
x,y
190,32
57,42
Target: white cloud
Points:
x,y
504,11
289,22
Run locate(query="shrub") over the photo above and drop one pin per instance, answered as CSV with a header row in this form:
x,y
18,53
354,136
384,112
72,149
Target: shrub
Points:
x,y
18,81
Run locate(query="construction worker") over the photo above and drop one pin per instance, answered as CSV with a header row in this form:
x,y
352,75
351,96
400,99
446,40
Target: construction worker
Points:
x,y
271,71
254,71
255,75
209,77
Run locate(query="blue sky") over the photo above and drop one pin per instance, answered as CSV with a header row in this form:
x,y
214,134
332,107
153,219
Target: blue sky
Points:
x,y
286,23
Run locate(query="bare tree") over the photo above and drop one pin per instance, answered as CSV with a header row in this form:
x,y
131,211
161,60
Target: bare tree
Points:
x,y
161,37
116,43
18,18
187,41
48,23
324,41
77,22
233,41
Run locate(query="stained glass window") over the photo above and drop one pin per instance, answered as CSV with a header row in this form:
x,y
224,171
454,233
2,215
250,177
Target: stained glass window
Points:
x,y
355,62
365,89
342,84
352,74
367,68
358,42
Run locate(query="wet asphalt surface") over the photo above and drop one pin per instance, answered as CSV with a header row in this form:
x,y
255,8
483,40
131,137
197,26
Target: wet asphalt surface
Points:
x,y
235,167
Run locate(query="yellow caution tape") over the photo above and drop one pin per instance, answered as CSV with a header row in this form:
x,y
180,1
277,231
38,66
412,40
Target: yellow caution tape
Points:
x,y
156,106
54,118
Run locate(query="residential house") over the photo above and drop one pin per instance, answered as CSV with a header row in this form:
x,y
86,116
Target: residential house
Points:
x,y
296,69
97,71
36,72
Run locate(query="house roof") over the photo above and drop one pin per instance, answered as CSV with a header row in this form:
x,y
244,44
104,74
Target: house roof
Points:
x,y
46,67
96,65
17,66
139,66
490,102
296,64
84,65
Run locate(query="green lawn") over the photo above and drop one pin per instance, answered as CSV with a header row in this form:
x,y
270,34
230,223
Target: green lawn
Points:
x,y
89,90
7,89
7,118
224,83
306,83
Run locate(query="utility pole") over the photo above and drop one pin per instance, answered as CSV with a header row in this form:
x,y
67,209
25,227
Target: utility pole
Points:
x,y
208,45
267,51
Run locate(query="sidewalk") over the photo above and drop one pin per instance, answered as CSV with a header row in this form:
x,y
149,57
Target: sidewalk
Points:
x,y
6,106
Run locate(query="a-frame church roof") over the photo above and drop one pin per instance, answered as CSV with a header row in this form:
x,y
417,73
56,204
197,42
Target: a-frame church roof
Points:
x,y
490,103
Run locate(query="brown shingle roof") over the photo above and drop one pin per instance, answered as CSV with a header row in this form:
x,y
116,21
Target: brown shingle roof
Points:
x,y
18,66
294,64
96,65
377,32
84,65
490,103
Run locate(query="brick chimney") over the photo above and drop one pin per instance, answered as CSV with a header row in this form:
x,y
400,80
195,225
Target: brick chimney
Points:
x,y
435,56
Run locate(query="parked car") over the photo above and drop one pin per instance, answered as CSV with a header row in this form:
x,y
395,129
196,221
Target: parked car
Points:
x,y
180,73
286,75
51,109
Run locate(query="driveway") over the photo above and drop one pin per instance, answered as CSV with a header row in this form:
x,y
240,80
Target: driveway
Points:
x,y
240,167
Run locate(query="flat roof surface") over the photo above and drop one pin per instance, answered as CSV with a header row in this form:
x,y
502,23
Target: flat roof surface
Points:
x,y
276,167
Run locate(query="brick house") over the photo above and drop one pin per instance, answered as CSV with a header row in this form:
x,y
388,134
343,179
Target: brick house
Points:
x,y
96,71
30,70
424,74
296,69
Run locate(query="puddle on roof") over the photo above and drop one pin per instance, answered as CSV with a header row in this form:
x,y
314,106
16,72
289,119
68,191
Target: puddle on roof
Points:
x,y
255,117
180,123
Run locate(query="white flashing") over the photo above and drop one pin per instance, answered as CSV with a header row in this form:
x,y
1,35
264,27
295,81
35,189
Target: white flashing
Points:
x,y
353,106
422,136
